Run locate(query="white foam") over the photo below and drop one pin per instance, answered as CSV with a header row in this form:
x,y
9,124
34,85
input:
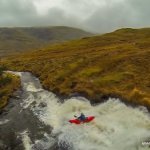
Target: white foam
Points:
x,y
28,101
4,121
31,87
116,126
45,143
26,140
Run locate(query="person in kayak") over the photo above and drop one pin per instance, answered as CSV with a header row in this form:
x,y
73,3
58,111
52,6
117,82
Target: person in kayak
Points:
x,y
81,117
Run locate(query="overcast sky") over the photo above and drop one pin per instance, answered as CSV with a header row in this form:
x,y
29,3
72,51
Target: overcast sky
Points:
x,y
92,15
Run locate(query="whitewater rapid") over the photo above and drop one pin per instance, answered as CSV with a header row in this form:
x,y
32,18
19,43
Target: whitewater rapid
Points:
x,y
116,126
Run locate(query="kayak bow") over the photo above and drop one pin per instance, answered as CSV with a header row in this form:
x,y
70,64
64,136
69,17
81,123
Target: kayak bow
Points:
x,y
77,121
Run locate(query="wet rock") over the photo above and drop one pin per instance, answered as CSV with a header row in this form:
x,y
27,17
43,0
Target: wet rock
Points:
x,y
1,111
17,94
2,145
38,146
75,94
42,104
5,111
33,103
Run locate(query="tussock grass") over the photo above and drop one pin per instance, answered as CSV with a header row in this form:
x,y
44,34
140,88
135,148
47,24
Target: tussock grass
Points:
x,y
8,83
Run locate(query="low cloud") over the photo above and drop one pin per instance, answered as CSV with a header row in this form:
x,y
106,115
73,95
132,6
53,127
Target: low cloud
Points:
x,y
95,16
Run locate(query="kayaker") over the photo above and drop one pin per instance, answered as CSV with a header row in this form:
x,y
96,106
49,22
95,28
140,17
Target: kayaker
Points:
x,y
81,117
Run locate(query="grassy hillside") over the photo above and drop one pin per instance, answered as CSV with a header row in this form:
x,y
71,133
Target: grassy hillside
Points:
x,y
114,64
8,83
21,39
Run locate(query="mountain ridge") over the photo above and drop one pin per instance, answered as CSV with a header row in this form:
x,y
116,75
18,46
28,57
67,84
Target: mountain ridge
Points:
x,y
20,39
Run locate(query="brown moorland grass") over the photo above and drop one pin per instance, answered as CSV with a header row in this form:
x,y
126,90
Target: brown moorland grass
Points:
x,y
113,64
8,84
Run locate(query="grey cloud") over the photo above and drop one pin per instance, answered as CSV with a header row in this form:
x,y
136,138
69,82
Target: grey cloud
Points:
x,y
89,15
110,17
56,16
142,12
128,13
16,13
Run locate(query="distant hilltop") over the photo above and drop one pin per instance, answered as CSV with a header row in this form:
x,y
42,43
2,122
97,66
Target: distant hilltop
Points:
x,y
20,39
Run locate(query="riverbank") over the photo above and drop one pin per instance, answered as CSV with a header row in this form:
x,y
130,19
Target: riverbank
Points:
x,y
9,83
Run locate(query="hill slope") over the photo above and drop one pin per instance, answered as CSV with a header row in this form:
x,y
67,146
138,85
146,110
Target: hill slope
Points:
x,y
21,39
114,64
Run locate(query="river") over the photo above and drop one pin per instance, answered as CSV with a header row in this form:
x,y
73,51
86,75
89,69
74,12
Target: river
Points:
x,y
36,119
